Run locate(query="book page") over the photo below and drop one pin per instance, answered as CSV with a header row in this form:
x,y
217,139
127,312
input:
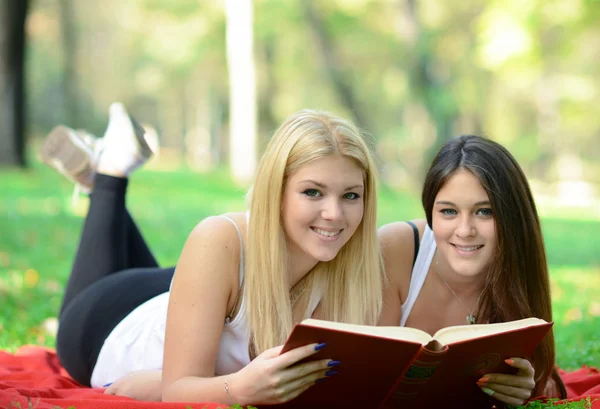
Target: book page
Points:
x,y
458,333
400,333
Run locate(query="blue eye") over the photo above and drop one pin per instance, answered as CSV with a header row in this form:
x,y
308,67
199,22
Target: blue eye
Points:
x,y
448,212
484,212
312,193
351,196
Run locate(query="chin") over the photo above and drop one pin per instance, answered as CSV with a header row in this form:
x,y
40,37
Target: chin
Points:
x,y
468,271
325,257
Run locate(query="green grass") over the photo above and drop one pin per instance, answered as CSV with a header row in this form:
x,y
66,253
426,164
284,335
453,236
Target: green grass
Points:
x,y
585,403
39,229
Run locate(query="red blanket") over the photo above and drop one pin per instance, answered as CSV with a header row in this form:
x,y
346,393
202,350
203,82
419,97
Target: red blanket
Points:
x,y
34,374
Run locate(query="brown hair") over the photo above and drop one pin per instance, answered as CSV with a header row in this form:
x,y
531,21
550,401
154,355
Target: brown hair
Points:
x,y
517,284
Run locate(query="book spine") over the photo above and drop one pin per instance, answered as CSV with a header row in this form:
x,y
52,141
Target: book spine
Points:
x,y
410,384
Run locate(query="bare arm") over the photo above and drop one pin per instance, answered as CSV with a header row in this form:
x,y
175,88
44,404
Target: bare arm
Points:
x,y
204,287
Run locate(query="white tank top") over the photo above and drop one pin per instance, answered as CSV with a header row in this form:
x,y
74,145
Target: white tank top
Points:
x,y
137,342
419,273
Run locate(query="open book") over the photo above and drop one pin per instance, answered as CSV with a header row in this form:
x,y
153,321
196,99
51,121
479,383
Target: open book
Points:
x,y
398,367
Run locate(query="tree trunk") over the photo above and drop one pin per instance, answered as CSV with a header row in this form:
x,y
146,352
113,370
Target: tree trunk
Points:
x,y
242,90
266,115
341,83
70,83
426,86
12,91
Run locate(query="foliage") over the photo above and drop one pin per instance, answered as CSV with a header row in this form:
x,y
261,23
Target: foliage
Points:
x,y
585,403
523,73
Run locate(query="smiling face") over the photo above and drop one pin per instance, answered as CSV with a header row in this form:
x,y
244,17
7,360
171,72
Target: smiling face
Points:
x,y
463,224
323,206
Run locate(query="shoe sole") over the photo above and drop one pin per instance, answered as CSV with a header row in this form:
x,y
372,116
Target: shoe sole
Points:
x,y
64,151
139,133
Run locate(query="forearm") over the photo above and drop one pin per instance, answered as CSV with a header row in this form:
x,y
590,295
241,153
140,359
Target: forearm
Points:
x,y
197,389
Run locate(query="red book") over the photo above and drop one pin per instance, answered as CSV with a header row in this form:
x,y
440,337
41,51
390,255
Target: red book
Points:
x,y
399,367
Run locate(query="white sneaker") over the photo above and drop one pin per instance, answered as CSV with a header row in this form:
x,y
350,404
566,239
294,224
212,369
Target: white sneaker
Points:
x,y
125,148
65,150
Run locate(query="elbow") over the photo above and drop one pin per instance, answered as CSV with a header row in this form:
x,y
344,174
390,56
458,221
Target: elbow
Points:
x,y
168,392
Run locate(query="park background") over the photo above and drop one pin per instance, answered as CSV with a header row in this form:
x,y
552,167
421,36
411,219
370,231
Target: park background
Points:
x,y
213,79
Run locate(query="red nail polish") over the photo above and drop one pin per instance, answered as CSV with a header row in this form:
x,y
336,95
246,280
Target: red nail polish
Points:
x,y
509,361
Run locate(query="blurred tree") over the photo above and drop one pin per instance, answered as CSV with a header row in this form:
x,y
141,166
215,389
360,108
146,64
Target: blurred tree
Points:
x,y
266,114
70,82
339,79
242,90
426,83
412,73
12,60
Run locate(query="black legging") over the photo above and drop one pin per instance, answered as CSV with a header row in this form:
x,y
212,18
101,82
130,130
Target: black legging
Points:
x,y
113,273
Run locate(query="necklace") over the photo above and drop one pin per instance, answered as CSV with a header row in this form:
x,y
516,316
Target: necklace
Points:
x,y
299,289
471,318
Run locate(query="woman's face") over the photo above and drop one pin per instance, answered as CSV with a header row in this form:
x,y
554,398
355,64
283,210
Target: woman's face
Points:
x,y
463,224
322,207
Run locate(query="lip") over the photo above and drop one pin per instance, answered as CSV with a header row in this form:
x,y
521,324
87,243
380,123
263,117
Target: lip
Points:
x,y
329,230
466,251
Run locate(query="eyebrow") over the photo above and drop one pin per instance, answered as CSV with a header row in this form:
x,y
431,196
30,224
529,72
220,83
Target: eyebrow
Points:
x,y
323,186
444,202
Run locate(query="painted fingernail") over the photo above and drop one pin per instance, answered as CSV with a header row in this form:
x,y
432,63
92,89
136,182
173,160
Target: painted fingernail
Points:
x,y
510,361
482,380
331,373
333,363
320,380
320,346
108,384
488,391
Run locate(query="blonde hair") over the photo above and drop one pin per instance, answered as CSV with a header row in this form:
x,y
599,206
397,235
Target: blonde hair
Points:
x,y
350,285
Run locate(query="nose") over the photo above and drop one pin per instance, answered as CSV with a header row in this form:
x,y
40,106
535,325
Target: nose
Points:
x,y
332,209
466,227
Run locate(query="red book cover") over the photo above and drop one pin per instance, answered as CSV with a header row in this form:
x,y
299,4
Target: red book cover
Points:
x,y
370,366
381,369
462,364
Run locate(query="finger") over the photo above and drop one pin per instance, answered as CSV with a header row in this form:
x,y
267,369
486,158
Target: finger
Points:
x,y
300,371
519,381
517,393
523,365
509,400
297,354
295,393
299,385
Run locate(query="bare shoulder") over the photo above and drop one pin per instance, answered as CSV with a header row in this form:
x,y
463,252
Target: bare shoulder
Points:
x,y
216,232
213,243
397,242
397,239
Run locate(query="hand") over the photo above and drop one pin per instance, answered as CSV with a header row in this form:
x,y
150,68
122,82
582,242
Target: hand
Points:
x,y
140,385
272,378
513,390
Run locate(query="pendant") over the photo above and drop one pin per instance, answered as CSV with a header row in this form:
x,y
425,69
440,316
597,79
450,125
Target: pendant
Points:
x,y
471,319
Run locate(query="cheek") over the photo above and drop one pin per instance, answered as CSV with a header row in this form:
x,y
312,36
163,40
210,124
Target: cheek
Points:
x,y
442,229
488,230
355,214
288,213
297,212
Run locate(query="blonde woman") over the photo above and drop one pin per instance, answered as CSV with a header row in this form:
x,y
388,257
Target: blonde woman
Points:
x,y
307,247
